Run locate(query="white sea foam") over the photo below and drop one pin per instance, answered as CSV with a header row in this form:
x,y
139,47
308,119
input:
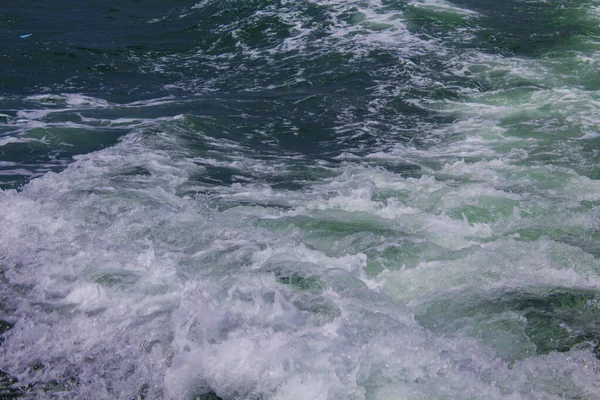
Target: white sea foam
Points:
x,y
128,274
138,289
444,6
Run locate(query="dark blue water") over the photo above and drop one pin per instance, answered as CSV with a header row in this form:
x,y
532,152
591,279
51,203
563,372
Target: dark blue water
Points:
x,y
300,199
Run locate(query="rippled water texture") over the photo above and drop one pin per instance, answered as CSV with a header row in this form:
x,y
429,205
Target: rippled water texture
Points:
x,y
300,200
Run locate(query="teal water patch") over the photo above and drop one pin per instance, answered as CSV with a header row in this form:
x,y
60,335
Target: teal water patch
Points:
x,y
337,233
521,324
50,149
45,133
534,27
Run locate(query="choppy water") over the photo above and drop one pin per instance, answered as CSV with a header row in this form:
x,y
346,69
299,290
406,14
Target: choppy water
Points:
x,y
316,200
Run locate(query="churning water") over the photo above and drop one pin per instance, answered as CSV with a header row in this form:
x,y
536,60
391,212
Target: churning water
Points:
x,y
310,199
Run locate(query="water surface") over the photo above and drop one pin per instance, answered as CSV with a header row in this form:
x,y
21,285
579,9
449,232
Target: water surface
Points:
x,y
300,199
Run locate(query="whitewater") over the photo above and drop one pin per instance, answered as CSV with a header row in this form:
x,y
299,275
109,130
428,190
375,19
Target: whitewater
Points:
x,y
321,199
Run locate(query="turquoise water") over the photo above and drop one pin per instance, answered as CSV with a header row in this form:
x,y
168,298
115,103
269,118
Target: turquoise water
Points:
x,y
300,200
